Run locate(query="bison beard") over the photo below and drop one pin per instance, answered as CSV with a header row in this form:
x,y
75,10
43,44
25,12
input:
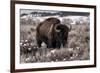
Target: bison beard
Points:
x,y
52,33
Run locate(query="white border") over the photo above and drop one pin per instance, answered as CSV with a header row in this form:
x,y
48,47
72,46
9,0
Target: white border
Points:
x,y
51,64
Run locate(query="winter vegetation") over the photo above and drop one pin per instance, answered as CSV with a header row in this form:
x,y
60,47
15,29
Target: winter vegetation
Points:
x,y
78,46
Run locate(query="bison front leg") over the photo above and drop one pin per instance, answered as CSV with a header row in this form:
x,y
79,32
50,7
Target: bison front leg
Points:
x,y
49,44
64,43
58,45
64,40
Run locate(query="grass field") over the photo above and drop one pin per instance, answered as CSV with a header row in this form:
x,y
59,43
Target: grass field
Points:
x,y
78,44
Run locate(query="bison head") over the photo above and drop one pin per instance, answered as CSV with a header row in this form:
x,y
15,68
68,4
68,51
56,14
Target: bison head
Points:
x,y
62,34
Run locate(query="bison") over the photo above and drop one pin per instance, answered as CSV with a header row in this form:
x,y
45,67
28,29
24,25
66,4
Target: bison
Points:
x,y
52,33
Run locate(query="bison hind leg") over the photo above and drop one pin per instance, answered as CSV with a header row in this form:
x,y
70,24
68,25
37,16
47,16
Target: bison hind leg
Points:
x,y
39,42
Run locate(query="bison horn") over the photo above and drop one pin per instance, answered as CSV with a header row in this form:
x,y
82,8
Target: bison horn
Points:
x,y
57,28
